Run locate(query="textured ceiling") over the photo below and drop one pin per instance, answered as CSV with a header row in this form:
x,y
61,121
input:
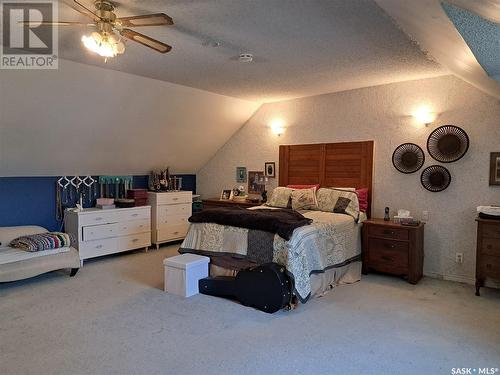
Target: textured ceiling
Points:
x,y
301,48
426,22
482,36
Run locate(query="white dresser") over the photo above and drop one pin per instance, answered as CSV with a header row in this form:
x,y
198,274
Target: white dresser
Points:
x,y
101,232
170,212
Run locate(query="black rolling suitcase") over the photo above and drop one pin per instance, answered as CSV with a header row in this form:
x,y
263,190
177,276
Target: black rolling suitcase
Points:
x,y
266,287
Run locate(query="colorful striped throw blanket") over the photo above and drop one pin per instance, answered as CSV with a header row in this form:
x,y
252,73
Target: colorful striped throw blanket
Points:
x,y
42,241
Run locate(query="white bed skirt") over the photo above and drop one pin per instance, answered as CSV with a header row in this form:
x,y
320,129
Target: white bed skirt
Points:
x,y
321,283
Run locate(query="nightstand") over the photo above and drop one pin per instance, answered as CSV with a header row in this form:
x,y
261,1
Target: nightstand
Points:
x,y
488,251
393,248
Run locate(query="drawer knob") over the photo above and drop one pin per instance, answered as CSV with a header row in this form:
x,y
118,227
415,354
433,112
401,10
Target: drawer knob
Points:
x,y
176,232
175,199
136,214
388,258
98,246
135,240
390,246
488,265
391,232
98,218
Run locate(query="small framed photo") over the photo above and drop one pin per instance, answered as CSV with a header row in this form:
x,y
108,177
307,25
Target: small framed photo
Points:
x,y
270,169
495,168
256,182
241,174
225,195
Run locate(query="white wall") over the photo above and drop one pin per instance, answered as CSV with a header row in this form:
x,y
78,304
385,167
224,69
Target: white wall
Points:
x,y
382,114
82,119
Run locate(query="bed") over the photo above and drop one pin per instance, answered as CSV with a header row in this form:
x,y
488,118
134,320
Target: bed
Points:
x,y
317,256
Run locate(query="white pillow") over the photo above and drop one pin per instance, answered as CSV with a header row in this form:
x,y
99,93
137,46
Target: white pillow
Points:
x,y
280,197
304,199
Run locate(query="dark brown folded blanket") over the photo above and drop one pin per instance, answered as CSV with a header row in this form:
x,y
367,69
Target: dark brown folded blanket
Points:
x,y
281,222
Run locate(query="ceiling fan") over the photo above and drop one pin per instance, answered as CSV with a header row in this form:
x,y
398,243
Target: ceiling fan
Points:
x,y
107,40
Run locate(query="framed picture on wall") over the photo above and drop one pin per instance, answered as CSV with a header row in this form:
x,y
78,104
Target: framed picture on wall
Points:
x,y
270,169
495,168
256,182
241,174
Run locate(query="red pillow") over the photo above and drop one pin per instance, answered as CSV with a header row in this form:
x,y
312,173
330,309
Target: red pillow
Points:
x,y
363,199
303,186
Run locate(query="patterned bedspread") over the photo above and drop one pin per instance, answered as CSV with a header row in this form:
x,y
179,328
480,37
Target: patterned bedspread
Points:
x,y
328,242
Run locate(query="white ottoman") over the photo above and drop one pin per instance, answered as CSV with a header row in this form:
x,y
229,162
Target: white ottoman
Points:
x,y
182,273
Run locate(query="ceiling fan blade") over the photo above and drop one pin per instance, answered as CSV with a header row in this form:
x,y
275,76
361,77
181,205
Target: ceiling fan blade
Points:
x,y
85,11
146,40
48,23
156,19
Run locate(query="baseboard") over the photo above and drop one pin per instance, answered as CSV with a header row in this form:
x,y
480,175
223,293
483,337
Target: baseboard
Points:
x,y
461,279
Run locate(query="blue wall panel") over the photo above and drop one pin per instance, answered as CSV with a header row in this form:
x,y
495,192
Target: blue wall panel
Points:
x,y
32,200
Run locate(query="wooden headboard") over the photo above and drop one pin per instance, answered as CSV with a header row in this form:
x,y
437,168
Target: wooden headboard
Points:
x,y
346,164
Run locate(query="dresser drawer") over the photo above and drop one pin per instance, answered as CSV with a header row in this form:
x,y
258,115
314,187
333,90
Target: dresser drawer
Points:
x,y
173,220
91,249
133,227
174,198
172,232
491,230
490,266
491,246
97,217
381,231
135,214
165,211
134,241
97,232
388,256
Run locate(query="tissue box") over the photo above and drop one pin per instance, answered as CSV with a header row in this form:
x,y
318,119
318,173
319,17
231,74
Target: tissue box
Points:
x,y
402,219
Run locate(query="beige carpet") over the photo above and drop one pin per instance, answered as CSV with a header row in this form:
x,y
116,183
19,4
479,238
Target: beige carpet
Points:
x,y
114,318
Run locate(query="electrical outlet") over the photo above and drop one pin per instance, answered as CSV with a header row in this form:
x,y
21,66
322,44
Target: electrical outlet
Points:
x,y
459,258
425,215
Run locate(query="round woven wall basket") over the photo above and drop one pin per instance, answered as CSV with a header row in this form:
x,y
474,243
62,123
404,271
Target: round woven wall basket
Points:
x,y
408,158
448,143
435,178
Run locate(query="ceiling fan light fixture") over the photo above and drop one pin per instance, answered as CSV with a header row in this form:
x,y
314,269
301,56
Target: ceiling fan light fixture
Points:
x,y
103,45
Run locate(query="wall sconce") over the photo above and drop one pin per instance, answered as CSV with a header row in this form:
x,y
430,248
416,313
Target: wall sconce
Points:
x,y
424,115
278,126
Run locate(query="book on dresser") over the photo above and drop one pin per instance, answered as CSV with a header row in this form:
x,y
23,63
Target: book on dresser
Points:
x,y
170,212
101,232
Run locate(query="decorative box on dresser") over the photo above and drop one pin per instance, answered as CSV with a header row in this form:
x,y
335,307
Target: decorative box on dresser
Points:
x,y
487,251
101,232
170,212
393,248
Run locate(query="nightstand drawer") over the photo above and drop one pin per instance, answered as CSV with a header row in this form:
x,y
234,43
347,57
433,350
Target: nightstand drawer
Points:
x,y
490,266
491,246
490,230
384,232
388,256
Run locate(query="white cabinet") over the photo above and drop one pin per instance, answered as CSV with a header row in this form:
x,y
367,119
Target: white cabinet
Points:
x,y
102,232
170,212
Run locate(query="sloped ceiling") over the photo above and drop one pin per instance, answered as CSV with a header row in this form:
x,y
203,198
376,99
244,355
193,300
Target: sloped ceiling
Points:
x,y
301,48
85,120
426,22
